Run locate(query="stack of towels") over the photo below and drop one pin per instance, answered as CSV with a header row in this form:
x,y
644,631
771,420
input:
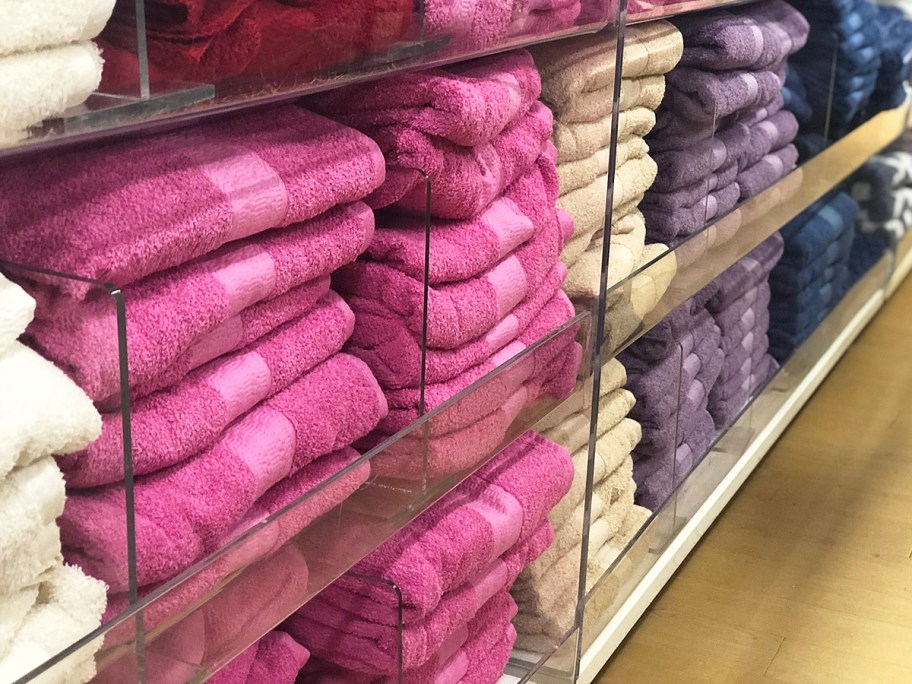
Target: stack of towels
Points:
x,y
276,658
845,34
671,371
241,398
578,79
721,134
740,304
446,576
213,41
45,606
470,145
895,59
48,61
546,590
883,190
811,277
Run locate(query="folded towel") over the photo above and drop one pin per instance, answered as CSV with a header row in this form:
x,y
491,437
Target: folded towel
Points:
x,y
626,254
755,179
169,311
276,658
41,411
768,135
464,179
746,273
661,341
613,377
808,235
175,423
68,606
31,499
458,249
245,175
325,410
665,225
29,26
743,38
680,168
36,85
16,311
696,192
467,103
575,141
707,97
651,48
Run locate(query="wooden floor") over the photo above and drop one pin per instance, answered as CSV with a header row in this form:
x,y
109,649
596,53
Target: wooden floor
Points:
x,y
807,575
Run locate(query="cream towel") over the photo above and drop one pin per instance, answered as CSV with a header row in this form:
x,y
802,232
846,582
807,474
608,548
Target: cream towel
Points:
x,y
614,377
627,219
34,24
13,609
69,606
31,500
573,432
575,141
570,68
16,311
41,411
645,91
45,83
626,253
654,47
580,173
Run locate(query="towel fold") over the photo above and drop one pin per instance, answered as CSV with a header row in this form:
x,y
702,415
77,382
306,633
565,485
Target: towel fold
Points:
x,y
17,309
745,273
651,48
665,225
175,423
325,410
167,313
41,411
575,141
707,97
756,178
696,192
276,658
766,136
29,26
234,178
467,103
37,85
681,168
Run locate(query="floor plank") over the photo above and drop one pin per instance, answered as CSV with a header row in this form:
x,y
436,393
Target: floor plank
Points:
x,y
807,575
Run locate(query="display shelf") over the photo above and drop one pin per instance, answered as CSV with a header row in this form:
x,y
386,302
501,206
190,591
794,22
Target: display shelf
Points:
x,y
295,554
639,11
709,252
711,485
903,263
139,93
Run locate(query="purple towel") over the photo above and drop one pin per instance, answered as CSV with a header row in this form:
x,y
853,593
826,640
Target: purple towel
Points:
x,y
757,178
663,225
680,168
707,97
755,297
746,273
689,195
753,116
770,134
662,340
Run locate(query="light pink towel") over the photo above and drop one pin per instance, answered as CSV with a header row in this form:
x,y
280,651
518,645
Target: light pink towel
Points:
x,y
176,423
355,641
182,512
168,312
467,103
276,658
404,403
464,180
393,352
123,211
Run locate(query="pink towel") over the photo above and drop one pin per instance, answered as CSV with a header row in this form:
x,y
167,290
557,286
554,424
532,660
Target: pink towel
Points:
x,y
394,353
276,658
176,423
464,180
456,539
478,653
466,103
460,312
458,249
354,640
403,403
183,511
185,193
168,312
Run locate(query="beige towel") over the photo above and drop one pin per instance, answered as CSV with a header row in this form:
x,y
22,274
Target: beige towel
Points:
x,y
572,67
651,48
645,91
627,219
584,275
580,173
613,378
576,141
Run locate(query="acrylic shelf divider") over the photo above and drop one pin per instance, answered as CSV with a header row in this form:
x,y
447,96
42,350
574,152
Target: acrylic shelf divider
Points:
x,y
138,94
716,247
704,493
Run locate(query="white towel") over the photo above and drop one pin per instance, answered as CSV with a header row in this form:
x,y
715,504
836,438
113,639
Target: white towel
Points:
x,y
34,24
69,606
42,412
45,83
31,499
13,609
16,311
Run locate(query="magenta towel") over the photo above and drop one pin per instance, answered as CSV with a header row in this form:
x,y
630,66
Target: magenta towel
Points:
x,y
168,312
461,535
176,423
183,511
458,249
707,97
466,103
464,180
459,312
357,642
394,353
770,134
185,193
276,658
682,168
757,178
404,403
